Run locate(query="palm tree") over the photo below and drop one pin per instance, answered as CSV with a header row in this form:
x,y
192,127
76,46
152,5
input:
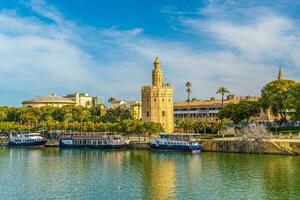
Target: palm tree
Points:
x,y
222,91
67,118
188,86
185,124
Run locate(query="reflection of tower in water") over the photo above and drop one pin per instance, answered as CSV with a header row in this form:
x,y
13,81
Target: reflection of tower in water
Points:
x,y
158,177
163,180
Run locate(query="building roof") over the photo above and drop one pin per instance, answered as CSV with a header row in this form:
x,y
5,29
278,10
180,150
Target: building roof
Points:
x,y
199,104
211,103
49,99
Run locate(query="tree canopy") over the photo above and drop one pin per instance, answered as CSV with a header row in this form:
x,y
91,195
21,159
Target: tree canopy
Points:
x,y
278,97
74,118
240,112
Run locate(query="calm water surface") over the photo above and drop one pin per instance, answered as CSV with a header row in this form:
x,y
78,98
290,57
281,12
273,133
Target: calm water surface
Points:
x,y
51,173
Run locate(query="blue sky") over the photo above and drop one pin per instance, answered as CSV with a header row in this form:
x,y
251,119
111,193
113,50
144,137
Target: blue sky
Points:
x,y
106,48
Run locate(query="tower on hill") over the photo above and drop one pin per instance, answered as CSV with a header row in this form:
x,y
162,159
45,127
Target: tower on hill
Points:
x,y
280,74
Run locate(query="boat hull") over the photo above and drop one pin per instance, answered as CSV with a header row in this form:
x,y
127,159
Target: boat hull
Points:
x,y
63,144
24,144
193,149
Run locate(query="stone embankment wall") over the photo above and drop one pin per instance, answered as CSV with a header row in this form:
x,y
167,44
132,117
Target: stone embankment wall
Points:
x,y
273,146
2,141
139,145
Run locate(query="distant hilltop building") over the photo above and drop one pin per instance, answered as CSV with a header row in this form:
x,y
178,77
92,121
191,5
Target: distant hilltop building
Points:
x,y
82,99
157,100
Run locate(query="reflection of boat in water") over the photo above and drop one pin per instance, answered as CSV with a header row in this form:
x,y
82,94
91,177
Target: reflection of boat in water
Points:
x,y
97,142
176,142
29,139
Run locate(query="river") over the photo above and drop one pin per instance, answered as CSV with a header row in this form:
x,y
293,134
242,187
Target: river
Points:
x,y
51,173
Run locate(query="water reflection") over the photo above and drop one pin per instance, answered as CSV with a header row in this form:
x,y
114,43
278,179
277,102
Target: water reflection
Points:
x,y
52,173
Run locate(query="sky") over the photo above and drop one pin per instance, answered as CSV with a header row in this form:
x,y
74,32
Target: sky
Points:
x,y
107,48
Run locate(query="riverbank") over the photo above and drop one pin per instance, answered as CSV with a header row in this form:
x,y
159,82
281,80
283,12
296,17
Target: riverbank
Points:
x,y
227,145
271,146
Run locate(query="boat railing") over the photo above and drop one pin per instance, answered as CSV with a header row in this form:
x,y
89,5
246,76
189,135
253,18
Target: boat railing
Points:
x,y
87,135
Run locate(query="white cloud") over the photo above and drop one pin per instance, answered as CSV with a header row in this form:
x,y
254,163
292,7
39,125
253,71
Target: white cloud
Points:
x,y
61,56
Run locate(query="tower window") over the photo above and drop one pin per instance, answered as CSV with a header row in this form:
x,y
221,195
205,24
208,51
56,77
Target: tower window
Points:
x,y
163,113
154,99
169,100
147,114
147,100
163,100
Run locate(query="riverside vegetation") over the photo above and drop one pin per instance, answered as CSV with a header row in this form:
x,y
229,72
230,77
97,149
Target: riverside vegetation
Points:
x,y
74,118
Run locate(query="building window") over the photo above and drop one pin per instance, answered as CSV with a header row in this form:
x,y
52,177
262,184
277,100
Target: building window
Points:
x,y
147,114
163,113
154,99
163,100
147,100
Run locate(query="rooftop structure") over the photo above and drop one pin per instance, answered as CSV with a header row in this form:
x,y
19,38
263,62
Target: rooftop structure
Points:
x,y
82,99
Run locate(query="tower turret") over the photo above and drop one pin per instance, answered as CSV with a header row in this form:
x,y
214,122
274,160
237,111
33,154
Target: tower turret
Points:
x,y
280,74
157,75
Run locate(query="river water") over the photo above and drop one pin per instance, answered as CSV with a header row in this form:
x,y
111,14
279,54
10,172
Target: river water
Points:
x,y
51,173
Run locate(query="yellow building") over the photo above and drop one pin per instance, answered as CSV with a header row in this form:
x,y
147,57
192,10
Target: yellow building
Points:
x,y
157,100
208,109
134,107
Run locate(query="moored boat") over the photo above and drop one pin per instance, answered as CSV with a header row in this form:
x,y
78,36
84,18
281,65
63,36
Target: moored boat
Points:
x,y
96,142
176,142
26,139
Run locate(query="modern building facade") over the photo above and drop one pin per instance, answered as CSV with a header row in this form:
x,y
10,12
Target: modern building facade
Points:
x,y
77,98
157,100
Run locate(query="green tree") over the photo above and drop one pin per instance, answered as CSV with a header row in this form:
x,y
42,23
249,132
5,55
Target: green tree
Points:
x,y
185,124
295,93
111,99
222,91
277,97
240,112
153,128
125,115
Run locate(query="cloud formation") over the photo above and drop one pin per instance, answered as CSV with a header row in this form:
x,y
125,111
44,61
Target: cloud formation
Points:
x,y
242,53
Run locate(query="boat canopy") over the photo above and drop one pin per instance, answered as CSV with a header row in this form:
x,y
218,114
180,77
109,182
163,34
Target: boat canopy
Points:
x,y
33,134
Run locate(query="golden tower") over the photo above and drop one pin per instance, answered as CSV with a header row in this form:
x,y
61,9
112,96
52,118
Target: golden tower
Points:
x,y
157,100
